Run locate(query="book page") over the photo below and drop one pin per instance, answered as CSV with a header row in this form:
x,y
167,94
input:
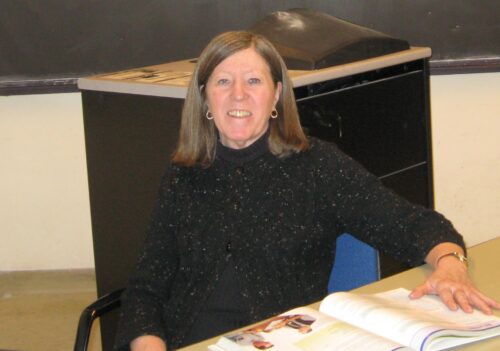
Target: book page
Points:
x,y
304,329
409,322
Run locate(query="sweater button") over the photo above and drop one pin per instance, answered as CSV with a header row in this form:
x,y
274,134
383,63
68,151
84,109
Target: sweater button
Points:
x,y
229,246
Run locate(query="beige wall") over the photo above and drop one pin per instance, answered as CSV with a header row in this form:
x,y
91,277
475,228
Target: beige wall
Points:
x,y
466,131
44,207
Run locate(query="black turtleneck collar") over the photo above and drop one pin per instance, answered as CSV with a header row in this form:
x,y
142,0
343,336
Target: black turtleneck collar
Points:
x,y
247,154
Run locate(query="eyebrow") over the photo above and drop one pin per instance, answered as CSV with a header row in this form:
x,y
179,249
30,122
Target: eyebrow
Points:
x,y
245,72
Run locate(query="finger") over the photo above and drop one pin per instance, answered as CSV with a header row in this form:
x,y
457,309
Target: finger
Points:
x,y
463,301
483,302
418,292
491,302
448,299
494,304
480,304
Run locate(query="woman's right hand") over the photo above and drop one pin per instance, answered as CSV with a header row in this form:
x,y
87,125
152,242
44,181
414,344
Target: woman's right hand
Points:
x,y
148,343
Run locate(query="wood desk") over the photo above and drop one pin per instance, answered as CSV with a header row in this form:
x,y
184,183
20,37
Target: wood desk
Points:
x,y
484,269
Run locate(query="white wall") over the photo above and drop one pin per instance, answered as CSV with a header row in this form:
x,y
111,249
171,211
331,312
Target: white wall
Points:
x,y
44,207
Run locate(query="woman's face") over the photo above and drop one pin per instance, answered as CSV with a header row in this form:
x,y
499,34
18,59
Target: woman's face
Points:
x,y
241,95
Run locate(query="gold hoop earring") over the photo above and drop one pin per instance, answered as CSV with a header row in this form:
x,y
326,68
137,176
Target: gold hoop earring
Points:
x,y
209,115
274,113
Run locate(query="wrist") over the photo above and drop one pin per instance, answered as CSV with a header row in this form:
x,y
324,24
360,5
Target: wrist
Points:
x,y
147,343
453,255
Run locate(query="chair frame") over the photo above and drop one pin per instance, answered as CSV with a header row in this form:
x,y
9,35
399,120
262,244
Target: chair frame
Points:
x,y
95,310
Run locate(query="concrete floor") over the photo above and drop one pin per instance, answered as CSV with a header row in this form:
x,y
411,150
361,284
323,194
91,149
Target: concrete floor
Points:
x,y
39,310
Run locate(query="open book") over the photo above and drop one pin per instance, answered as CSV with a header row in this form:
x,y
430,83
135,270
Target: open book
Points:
x,y
378,322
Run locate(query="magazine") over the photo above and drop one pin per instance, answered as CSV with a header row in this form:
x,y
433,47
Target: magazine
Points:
x,y
376,322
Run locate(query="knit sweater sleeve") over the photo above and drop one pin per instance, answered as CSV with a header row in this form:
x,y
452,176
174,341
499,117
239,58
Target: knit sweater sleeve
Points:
x,y
376,215
141,312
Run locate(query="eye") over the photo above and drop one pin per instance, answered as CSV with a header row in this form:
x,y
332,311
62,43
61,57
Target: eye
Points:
x,y
254,81
222,81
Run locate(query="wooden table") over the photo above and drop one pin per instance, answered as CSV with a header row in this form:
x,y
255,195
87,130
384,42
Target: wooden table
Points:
x,y
484,269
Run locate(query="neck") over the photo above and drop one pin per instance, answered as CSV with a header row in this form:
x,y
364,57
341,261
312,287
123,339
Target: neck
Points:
x,y
246,154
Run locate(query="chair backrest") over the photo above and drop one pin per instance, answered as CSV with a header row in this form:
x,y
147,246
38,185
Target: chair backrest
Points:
x,y
356,264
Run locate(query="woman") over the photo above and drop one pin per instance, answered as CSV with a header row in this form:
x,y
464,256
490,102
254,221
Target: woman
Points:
x,y
248,213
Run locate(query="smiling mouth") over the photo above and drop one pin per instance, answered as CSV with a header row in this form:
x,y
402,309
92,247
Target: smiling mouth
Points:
x,y
239,113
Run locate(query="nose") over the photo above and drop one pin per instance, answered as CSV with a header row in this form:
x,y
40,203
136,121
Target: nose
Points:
x,y
238,90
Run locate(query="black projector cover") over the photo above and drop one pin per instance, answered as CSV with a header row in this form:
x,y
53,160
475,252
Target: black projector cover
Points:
x,y
309,39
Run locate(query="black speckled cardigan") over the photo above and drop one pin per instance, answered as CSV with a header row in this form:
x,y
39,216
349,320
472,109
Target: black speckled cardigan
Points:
x,y
279,218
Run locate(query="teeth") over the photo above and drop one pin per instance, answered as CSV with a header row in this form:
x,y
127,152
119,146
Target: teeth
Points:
x,y
239,113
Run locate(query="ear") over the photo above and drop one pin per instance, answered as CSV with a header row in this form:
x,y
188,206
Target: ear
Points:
x,y
203,95
277,93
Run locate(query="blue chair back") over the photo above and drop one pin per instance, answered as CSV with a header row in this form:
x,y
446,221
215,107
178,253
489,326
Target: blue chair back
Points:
x,y
356,264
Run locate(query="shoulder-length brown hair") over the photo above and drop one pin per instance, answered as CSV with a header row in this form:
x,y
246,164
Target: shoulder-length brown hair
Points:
x,y
198,137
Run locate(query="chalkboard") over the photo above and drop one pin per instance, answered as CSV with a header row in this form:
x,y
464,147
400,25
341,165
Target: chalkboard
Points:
x,y
46,45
